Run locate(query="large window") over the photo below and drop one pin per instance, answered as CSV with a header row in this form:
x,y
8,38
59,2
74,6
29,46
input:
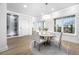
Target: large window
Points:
x,y
12,25
65,24
38,25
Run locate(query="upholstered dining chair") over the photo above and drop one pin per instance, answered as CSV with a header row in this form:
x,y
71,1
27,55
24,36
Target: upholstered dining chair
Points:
x,y
37,40
58,39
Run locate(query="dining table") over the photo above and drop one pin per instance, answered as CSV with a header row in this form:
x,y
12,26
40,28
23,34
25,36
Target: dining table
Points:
x,y
48,37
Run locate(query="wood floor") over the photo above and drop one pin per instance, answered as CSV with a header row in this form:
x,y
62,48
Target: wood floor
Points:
x,y
18,46
73,48
22,46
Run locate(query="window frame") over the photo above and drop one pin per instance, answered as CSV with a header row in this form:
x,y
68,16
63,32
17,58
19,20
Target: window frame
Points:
x,y
62,28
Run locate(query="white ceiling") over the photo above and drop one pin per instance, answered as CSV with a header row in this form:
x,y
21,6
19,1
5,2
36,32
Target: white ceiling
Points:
x,y
36,9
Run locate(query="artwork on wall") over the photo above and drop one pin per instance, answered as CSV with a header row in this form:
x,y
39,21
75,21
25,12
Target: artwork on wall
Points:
x,y
12,25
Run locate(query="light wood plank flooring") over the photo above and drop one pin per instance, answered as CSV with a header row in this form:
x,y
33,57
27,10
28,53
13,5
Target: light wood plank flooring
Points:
x,y
18,46
21,46
73,48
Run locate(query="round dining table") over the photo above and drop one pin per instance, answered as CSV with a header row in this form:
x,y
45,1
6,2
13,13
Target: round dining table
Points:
x,y
47,37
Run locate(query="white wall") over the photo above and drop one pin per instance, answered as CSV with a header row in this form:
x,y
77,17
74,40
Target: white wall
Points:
x,y
74,10
3,38
25,25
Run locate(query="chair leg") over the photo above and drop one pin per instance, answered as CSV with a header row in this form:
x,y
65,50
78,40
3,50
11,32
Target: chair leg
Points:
x,y
37,44
34,43
39,47
59,45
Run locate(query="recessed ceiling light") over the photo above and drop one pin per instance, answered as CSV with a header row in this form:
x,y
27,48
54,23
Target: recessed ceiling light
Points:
x,y
52,9
25,6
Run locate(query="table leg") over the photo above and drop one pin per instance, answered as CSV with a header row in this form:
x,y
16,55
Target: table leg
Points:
x,y
49,42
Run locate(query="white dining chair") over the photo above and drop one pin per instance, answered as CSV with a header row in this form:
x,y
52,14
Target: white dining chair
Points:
x,y
37,40
58,39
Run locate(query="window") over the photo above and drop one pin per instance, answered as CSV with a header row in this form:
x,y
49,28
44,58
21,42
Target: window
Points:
x,y
12,25
65,24
38,25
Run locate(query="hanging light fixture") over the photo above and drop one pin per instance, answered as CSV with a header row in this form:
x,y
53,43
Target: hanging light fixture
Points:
x,y
46,3
47,16
46,6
